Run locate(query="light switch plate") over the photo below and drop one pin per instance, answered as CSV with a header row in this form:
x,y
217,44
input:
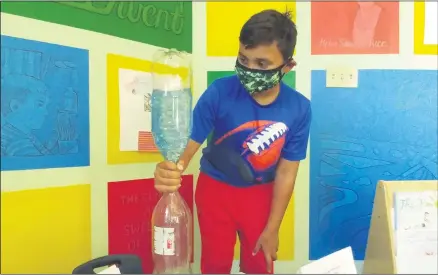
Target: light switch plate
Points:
x,y
341,77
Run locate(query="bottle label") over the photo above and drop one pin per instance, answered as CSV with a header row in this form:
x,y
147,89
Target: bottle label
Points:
x,y
164,241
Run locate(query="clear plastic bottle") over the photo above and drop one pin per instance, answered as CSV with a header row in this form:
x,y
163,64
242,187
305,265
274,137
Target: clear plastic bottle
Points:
x,y
171,127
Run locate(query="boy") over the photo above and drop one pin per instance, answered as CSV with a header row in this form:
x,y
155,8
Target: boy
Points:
x,y
260,132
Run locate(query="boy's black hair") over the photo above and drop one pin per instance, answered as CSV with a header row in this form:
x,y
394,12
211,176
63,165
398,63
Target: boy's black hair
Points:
x,y
265,27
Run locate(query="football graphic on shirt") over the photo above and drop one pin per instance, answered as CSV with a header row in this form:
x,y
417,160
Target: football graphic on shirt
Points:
x,y
262,148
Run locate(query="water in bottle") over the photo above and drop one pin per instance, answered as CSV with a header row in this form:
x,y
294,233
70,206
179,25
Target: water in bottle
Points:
x,y
171,121
171,127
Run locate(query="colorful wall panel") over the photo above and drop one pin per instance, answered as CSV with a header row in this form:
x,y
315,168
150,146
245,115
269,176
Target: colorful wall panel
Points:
x,y
355,27
223,31
115,121
350,147
45,230
425,27
129,108
386,129
44,97
130,207
160,23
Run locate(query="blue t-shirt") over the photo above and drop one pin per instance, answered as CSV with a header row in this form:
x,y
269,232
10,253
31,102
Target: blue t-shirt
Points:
x,y
259,135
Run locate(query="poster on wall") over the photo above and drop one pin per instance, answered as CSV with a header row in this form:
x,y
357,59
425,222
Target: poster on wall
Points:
x,y
355,27
223,31
166,24
425,27
129,84
135,89
383,130
129,87
44,105
130,207
431,23
416,232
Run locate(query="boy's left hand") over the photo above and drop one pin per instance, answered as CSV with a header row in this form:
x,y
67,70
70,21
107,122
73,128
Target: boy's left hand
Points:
x,y
268,243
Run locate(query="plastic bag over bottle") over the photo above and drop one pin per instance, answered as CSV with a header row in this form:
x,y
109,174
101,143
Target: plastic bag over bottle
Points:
x,y
171,101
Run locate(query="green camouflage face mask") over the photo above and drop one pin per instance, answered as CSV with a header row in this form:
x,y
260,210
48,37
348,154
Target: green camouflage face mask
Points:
x,y
256,81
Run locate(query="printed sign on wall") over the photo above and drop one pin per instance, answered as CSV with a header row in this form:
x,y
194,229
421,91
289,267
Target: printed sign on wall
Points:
x,y
355,27
44,105
166,24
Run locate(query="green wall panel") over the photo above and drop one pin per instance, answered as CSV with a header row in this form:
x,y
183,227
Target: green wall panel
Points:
x,y
160,23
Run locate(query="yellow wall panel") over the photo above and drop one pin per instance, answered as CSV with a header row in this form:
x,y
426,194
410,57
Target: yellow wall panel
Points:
x,y
114,63
419,46
225,19
45,230
115,156
286,236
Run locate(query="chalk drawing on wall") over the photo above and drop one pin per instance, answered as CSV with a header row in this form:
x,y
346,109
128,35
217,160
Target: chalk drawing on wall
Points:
x,y
223,31
45,231
44,100
130,207
135,89
356,141
355,27
287,249
166,24
425,27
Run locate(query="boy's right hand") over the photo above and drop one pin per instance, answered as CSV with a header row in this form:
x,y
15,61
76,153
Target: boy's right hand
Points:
x,y
168,176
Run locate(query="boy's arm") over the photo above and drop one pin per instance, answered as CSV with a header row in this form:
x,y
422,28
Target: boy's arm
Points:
x,y
283,188
286,174
191,149
204,116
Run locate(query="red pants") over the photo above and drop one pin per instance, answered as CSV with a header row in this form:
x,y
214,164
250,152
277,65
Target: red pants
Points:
x,y
223,211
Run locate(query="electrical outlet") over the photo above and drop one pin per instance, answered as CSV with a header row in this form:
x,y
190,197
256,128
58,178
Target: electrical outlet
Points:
x,y
341,78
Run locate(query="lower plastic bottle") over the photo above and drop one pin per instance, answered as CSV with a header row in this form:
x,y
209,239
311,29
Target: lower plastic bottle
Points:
x,y
172,235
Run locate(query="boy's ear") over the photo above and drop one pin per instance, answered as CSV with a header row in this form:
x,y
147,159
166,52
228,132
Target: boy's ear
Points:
x,y
289,65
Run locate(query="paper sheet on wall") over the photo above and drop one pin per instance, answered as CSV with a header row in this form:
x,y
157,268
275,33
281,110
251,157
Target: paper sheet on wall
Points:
x,y
417,252
135,89
416,232
416,210
431,23
339,262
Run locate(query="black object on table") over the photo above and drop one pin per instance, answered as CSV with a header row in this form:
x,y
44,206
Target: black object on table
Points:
x,y
127,264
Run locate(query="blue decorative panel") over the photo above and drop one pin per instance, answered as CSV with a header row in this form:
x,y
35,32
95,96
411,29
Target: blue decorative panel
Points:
x,y
386,129
44,105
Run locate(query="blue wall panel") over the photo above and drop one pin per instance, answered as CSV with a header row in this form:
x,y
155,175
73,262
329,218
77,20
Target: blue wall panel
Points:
x,y
386,129
44,105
